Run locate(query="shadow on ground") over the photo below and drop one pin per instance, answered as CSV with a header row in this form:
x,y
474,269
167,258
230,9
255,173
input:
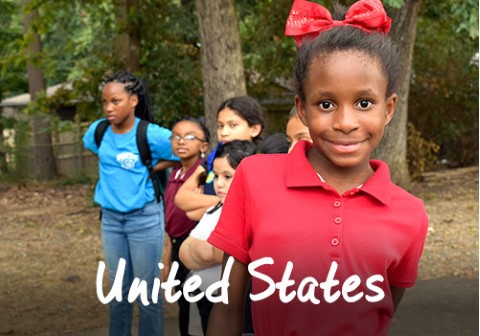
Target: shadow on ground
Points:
x,y
445,306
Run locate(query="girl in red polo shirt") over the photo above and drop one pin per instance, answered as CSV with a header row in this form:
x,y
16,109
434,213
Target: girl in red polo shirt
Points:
x,y
331,244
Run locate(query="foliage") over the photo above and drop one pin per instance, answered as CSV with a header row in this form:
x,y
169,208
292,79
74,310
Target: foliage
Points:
x,y
421,154
171,59
444,90
13,77
13,156
79,41
268,54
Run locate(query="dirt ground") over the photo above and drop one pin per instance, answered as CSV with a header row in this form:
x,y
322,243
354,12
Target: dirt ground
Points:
x,y
50,249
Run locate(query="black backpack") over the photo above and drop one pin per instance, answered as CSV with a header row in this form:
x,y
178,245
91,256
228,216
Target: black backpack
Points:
x,y
159,178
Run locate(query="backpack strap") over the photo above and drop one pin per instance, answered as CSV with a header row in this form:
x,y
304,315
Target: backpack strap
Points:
x,y
100,131
146,156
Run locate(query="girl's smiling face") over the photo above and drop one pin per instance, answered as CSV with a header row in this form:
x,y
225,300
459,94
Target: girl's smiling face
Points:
x,y
188,149
230,126
345,109
223,177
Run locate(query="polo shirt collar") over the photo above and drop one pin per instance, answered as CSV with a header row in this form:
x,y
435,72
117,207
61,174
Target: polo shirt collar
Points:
x,y
299,172
378,185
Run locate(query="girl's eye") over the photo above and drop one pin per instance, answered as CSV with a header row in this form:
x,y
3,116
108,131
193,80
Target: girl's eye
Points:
x,y
228,177
215,176
326,105
116,101
219,126
364,104
233,125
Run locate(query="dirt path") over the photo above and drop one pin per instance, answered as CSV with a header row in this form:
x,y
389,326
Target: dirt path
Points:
x,y
50,248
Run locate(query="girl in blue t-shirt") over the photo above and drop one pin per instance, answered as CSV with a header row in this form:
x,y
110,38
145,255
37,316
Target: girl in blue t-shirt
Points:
x,y
132,219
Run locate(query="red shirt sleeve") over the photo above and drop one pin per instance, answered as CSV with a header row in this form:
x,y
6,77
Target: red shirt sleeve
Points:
x,y
232,233
404,273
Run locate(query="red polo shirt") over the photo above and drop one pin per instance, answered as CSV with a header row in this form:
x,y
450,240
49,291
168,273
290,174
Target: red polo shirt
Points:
x,y
278,207
177,224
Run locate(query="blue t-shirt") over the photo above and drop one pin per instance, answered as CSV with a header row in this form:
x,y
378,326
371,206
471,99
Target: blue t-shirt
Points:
x,y
208,188
124,184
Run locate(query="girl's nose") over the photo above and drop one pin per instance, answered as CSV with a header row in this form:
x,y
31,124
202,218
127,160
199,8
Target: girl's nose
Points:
x,y
225,131
107,107
220,182
345,120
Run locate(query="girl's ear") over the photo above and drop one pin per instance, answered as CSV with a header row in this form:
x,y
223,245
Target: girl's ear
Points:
x,y
204,147
133,100
390,108
255,130
301,110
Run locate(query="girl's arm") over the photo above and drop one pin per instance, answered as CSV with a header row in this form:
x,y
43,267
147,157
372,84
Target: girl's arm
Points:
x,y
227,319
188,200
397,295
197,254
196,215
165,164
167,257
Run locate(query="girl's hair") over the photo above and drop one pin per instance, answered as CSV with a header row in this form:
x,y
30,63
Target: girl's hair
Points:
x,y
346,38
293,113
199,123
275,143
246,108
136,86
235,151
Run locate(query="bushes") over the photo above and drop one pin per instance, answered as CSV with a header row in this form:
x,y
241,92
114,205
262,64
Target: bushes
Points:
x,y
421,153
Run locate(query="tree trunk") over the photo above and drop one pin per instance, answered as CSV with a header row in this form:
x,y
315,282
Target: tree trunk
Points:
x,y
128,46
393,148
43,159
221,55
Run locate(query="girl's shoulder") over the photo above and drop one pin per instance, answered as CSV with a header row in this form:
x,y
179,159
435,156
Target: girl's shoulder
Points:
x,y
265,160
264,167
156,131
89,141
93,126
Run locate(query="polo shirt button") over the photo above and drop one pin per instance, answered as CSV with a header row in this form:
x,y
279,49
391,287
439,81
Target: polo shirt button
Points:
x,y
336,204
338,220
335,241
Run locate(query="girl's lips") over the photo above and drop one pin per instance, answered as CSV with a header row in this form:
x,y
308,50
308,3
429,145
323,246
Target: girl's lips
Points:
x,y
181,150
346,147
111,118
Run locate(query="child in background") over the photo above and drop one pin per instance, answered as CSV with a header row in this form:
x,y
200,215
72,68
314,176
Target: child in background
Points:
x,y
344,241
238,118
296,130
196,253
274,144
132,220
189,140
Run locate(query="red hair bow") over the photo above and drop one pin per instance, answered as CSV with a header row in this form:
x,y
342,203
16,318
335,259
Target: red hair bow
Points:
x,y
307,19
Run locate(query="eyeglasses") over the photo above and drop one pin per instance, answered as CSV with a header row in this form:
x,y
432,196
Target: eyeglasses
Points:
x,y
186,138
